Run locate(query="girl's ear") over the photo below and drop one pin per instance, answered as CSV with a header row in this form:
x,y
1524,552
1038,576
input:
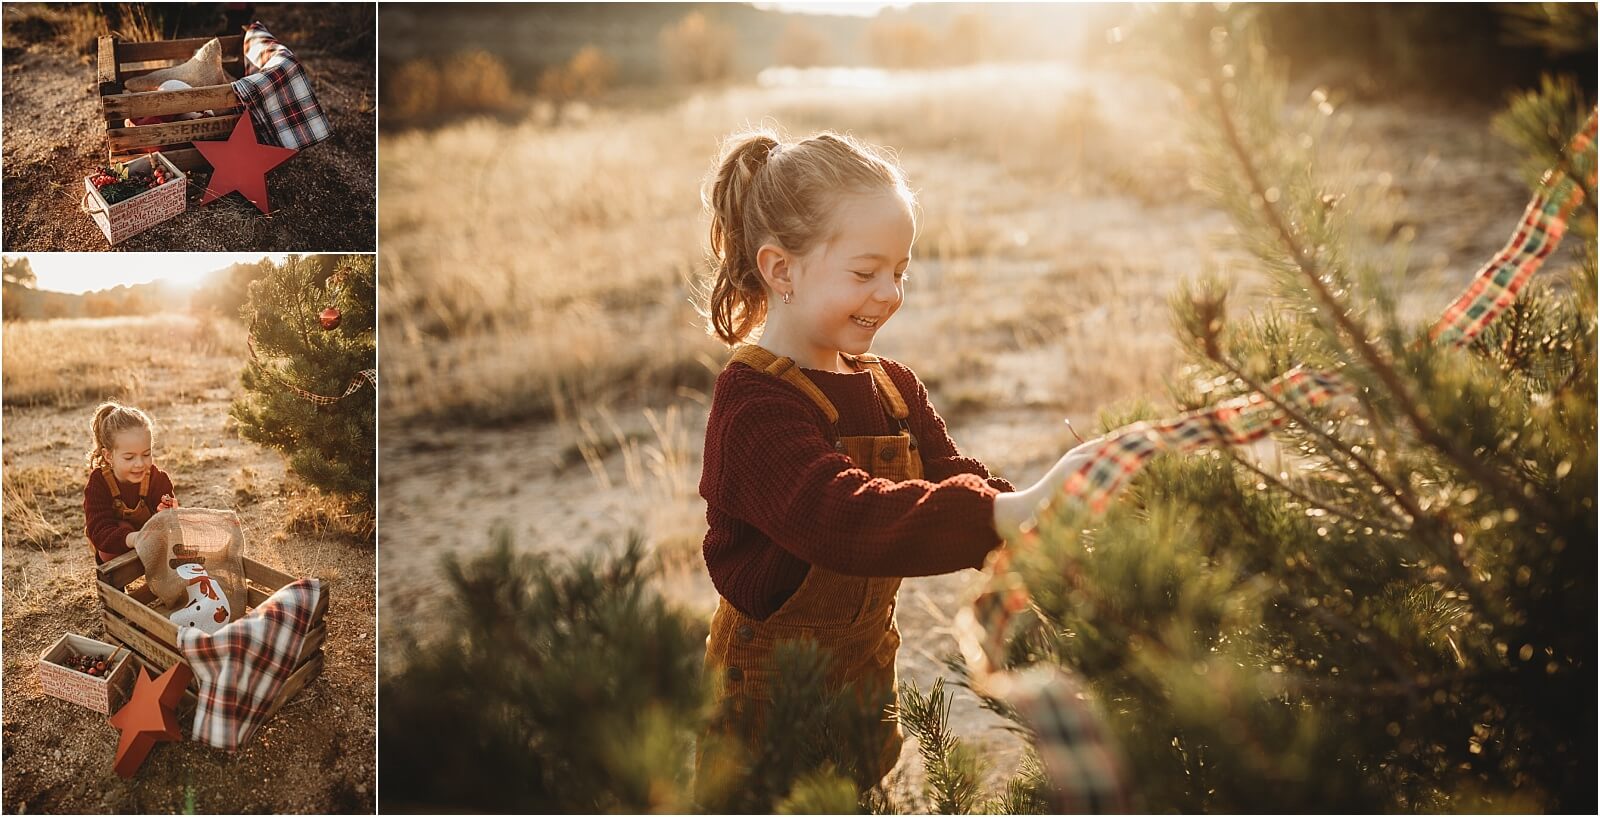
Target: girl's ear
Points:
x,y
773,263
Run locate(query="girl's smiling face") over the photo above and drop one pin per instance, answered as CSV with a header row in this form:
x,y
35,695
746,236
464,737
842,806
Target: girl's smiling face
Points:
x,y
848,288
130,455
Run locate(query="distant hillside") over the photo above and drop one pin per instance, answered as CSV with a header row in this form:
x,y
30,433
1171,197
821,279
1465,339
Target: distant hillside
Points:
x,y
223,292
534,36
23,303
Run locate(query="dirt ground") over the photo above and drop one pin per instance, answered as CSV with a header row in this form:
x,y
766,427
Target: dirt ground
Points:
x,y
318,754
1105,257
323,199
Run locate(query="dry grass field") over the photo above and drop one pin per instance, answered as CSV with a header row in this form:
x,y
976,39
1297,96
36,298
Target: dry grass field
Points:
x,y
318,753
544,369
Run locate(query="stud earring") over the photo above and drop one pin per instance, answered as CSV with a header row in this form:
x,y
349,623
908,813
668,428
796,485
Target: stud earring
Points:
x,y
786,296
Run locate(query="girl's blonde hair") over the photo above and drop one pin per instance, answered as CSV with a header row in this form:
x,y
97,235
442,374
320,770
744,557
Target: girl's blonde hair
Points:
x,y
111,419
767,190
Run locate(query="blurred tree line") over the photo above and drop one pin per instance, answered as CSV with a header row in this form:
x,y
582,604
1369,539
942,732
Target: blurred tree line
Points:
x,y
221,295
577,54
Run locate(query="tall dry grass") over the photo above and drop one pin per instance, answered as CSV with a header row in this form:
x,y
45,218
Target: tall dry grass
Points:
x,y
549,268
70,361
27,490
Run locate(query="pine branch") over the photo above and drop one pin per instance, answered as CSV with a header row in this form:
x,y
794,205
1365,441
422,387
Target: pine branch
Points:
x,y
1364,346
952,770
1306,498
1401,496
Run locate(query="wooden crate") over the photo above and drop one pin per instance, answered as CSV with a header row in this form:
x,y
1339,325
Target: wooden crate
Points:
x,y
135,617
130,217
119,61
104,694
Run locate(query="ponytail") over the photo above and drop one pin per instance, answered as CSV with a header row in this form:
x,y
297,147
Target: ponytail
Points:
x,y
738,301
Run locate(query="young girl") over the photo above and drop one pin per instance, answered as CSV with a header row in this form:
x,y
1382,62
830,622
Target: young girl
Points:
x,y
828,475
123,480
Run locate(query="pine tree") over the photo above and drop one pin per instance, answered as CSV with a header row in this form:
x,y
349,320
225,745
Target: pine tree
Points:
x,y
570,685
311,323
1395,610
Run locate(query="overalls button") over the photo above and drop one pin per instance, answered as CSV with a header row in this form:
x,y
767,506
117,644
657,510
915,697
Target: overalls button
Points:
x,y
745,632
735,674
888,454
838,445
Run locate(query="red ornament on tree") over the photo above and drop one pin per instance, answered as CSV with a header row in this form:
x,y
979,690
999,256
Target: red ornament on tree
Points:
x,y
330,318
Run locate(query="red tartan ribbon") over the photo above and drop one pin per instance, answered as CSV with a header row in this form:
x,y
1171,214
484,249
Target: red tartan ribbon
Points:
x,y
1077,754
363,376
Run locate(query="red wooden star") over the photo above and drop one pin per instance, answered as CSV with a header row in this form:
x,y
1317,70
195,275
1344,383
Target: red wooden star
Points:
x,y
241,163
150,715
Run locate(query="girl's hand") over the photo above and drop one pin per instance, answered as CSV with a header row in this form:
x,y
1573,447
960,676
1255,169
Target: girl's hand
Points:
x,y
1013,509
168,502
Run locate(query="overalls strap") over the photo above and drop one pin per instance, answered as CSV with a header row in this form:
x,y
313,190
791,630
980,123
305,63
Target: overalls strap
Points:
x,y
116,490
784,368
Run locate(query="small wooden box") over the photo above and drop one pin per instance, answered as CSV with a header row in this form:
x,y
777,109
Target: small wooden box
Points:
x,y
104,694
130,217
118,61
135,617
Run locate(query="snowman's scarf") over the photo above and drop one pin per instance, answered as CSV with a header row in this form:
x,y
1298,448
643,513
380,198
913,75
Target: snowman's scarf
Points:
x,y
1078,756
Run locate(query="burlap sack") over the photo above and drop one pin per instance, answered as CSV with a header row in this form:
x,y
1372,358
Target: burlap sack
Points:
x,y
202,536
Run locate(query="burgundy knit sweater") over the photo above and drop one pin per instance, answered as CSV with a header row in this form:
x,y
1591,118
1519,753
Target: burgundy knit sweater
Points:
x,y
780,499
102,525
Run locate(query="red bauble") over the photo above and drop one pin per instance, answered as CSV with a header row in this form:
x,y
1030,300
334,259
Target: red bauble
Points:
x,y
330,318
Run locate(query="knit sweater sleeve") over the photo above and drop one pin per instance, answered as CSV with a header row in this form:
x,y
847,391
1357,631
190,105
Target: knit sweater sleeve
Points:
x,y
774,467
940,457
160,486
101,524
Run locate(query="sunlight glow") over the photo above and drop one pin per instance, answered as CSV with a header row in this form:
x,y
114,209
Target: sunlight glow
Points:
x,y
841,9
77,273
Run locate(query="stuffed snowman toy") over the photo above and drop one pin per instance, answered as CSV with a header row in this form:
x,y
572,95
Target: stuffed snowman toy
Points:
x,y
207,607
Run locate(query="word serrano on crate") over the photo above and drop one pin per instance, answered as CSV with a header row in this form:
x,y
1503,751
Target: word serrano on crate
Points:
x,y
213,108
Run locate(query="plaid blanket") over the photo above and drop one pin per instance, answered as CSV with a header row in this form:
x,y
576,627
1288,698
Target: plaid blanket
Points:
x,y
278,93
241,668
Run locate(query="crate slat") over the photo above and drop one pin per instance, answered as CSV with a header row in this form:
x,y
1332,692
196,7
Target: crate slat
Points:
x,y
180,50
171,133
305,675
150,621
186,159
121,571
149,649
313,643
106,67
265,576
164,103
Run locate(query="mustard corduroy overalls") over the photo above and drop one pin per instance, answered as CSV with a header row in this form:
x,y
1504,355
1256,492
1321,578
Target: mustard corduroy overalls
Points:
x,y
850,616
137,515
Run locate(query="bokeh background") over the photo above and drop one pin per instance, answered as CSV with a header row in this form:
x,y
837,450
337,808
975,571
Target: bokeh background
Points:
x,y
545,372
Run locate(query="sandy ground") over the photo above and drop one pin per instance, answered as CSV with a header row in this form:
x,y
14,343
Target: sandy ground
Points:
x,y
318,754
323,199
1105,261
